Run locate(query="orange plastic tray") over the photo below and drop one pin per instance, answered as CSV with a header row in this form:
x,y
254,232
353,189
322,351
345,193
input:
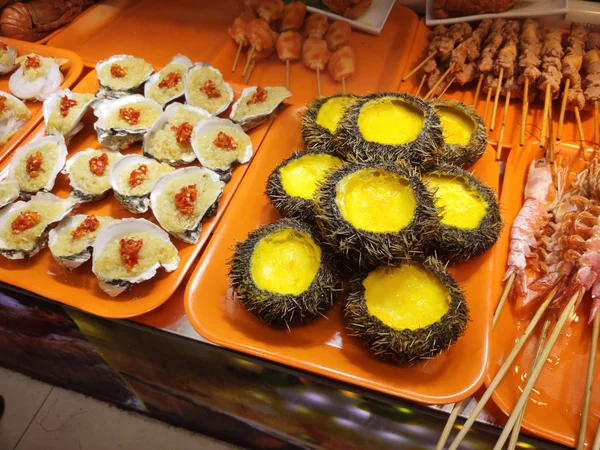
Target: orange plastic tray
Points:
x,y
554,409
71,72
43,276
418,51
323,346
152,29
380,62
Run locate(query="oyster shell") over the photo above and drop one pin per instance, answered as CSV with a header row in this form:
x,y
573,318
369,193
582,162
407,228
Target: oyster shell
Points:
x,y
167,85
88,186
121,75
165,140
36,165
8,58
9,192
248,114
72,251
125,120
208,133
59,103
133,177
46,208
205,87
207,189
36,78
13,117
107,262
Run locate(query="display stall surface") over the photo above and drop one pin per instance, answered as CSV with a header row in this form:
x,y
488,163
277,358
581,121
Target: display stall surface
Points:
x,y
43,276
554,406
70,70
324,346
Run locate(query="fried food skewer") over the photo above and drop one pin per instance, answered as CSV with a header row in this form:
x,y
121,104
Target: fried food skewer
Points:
x,y
530,46
438,82
551,76
237,32
289,47
505,61
341,65
491,45
315,56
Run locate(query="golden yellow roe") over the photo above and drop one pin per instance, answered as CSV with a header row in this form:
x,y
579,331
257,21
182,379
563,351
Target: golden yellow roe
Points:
x,y
300,176
406,297
390,121
456,125
331,112
285,262
376,200
463,206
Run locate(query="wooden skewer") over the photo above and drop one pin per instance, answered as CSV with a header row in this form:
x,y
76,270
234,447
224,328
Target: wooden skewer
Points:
x,y
588,383
524,109
416,69
514,437
595,123
319,82
550,135
438,82
545,116
287,74
498,89
423,78
535,373
579,125
457,406
596,445
478,89
505,367
563,107
447,86
237,57
501,136
487,104
248,60
249,72
343,85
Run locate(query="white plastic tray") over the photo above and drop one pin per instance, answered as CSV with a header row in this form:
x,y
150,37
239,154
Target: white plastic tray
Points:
x,y
523,8
372,21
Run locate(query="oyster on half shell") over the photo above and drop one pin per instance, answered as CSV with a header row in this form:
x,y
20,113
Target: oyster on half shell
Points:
x,y
129,252
257,105
13,116
205,87
8,58
167,84
36,78
121,75
9,192
63,111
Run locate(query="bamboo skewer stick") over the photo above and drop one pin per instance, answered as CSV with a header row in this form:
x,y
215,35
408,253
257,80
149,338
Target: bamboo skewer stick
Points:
x,y
514,437
438,82
503,298
595,123
423,78
596,445
524,109
249,72
563,107
248,60
487,104
588,383
501,136
550,135
545,116
535,373
447,86
416,69
505,367
287,74
343,85
478,89
237,57
319,82
579,125
496,98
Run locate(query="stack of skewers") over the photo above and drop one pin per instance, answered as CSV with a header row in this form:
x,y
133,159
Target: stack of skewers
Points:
x,y
268,25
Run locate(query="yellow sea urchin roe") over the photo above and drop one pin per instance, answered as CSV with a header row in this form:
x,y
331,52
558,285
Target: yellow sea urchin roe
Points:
x,y
59,124
163,145
463,206
406,297
148,113
301,176
332,110
27,183
275,95
81,175
135,71
376,200
285,262
8,190
155,171
390,121
456,125
171,217
217,158
163,94
196,79
66,245
25,240
109,264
